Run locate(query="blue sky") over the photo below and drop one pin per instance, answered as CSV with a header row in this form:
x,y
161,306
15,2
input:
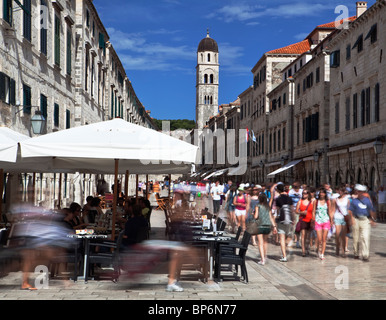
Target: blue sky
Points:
x,y
157,42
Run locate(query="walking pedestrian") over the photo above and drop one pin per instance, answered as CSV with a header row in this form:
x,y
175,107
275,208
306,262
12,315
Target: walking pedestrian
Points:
x,y
340,207
381,200
240,202
253,200
266,222
216,192
322,217
296,194
232,192
284,219
364,216
304,209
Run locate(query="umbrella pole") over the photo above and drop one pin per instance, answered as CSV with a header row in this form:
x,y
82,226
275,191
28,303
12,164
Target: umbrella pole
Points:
x,y
60,191
115,199
127,185
147,187
1,193
136,188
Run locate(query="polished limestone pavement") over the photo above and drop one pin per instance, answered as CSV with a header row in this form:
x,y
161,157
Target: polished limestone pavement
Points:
x,y
301,278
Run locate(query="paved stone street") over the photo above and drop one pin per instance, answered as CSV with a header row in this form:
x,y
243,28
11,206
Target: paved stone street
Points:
x,y
301,278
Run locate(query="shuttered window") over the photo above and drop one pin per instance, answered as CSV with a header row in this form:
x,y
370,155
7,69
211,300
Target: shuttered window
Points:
x,y
27,99
43,105
27,20
69,40
355,110
7,11
376,102
7,89
56,115
68,119
57,40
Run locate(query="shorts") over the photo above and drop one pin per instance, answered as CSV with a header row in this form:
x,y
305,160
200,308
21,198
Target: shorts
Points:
x,y
322,226
264,230
339,222
239,213
305,225
284,229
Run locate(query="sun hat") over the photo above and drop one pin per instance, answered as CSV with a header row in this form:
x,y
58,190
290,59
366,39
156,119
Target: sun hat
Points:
x,y
360,187
241,188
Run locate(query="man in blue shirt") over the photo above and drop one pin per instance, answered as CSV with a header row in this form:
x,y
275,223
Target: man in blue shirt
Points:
x,y
363,213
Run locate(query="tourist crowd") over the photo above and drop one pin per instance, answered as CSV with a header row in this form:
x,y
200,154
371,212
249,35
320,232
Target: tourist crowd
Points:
x,y
296,214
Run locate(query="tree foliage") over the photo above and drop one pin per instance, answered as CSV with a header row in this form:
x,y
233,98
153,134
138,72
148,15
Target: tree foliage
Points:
x,y
177,124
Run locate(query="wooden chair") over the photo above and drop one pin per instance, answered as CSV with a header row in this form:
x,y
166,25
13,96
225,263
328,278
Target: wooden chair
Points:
x,y
161,205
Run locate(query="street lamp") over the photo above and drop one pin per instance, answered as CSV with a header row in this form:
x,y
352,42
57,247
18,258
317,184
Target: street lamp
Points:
x,y
316,156
38,122
378,146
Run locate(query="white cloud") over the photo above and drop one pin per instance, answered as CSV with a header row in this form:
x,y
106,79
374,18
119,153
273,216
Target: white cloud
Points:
x,y
249,14
138,53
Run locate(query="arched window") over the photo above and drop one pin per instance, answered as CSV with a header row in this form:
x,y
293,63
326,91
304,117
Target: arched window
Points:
x,y
202,57
205,78
211,100
359,177
211,78
372,178
208,57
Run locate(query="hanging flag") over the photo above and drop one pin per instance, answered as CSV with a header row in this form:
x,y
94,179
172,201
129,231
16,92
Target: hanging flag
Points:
x,y
247,136
253,136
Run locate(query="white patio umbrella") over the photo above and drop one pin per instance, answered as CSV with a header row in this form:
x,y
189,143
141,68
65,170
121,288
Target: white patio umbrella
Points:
x,y
9,140
111,147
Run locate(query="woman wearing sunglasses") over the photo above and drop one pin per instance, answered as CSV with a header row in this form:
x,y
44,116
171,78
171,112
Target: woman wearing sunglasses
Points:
x,y
304,209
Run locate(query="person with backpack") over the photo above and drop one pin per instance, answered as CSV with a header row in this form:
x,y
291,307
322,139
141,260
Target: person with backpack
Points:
x,y
322,217
284,219
230,207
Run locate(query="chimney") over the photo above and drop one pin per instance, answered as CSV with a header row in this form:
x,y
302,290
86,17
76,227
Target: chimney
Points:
x,y
361,7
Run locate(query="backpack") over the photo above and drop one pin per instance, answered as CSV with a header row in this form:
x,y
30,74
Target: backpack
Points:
x,y
285,214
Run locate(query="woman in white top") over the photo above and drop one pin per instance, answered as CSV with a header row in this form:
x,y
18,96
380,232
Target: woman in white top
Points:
x,y
340,207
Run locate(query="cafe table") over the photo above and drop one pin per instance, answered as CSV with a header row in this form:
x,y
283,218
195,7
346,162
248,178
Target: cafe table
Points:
x,y
86,241
211,240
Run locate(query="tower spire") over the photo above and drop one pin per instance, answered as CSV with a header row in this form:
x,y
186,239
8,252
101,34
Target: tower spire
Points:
x,y
207,33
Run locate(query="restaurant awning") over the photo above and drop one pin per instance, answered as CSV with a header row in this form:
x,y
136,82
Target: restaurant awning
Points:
x,y
217,173
289,165
237,171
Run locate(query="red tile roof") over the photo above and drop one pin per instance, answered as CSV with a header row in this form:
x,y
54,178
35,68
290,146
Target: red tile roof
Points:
x,y
332,24
296,48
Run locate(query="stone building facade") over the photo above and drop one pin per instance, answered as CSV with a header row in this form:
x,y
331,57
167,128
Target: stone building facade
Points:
x,y
317,106
56,57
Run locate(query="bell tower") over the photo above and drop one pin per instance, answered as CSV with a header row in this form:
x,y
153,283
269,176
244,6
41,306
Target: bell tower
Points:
x,y
207,80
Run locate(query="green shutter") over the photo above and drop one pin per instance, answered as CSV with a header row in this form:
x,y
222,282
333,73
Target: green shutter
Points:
x,y
56,115
12,92
7,11
68,119
27,20
43,105
26,99
69,39
102,43
57,40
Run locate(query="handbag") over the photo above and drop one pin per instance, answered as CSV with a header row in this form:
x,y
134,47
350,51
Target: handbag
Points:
x,y
299,224
252,227
347,220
